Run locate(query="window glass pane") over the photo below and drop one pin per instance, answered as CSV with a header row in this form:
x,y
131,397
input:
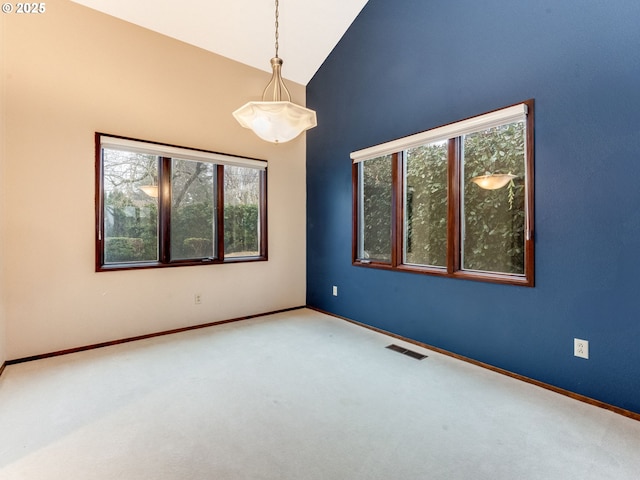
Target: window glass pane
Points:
x,y
374,219
425,205
192,207
130,212
493,216
241,212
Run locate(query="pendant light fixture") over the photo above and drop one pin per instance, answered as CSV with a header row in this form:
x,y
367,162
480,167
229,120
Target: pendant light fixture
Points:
x,y
150,190
276,119
493,181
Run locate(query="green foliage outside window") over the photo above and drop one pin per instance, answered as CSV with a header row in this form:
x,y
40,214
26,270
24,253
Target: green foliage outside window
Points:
x,y
494,219
426,205
376,209
124,249
131,229
192,231
241,230
135,240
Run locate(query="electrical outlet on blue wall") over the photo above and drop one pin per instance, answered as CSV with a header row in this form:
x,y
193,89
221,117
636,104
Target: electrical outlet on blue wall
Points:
x,y
581,348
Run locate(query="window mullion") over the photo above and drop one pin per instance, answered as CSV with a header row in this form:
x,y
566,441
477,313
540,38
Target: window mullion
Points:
x,y
263,214
396,209
164,209
529,192
453,206
356,190
100,204
219,212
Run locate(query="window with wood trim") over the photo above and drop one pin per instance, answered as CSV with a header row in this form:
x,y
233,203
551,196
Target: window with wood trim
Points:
x,y
455,201
161,205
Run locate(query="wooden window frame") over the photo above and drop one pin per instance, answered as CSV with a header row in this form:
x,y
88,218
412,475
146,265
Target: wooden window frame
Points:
x,y
453,267
164,215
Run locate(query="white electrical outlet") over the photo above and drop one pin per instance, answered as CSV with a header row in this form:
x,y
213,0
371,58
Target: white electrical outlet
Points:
x,y
197,299
581,348
335,291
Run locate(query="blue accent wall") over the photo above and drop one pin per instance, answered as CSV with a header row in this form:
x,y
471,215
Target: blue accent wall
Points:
x,y
406,66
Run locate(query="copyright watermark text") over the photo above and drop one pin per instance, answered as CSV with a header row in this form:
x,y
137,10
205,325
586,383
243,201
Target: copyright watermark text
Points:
x,y
33,8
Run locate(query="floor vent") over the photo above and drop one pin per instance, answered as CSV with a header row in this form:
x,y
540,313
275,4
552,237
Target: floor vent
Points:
x,y
404,351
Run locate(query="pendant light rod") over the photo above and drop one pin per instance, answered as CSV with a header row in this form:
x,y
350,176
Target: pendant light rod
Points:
x,y
276,85
277,25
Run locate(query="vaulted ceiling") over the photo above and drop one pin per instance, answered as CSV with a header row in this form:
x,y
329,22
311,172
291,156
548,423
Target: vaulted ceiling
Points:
x,y
244,30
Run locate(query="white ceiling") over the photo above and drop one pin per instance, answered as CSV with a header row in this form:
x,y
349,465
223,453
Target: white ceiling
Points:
x,y
244,30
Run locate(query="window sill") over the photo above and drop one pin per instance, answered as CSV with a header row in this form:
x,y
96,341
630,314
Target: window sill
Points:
x,y
180,263
505,279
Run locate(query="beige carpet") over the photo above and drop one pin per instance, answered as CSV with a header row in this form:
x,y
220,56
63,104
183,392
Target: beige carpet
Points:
x,y
297,396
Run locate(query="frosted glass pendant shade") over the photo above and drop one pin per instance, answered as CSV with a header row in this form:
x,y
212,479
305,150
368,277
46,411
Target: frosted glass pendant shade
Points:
x,y
276,122
273,119
493,181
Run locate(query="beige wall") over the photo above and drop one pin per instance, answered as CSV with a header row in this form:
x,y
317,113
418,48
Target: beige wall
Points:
x,y
71,72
